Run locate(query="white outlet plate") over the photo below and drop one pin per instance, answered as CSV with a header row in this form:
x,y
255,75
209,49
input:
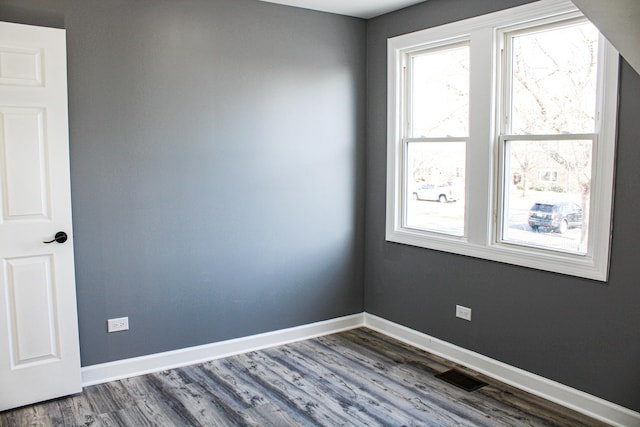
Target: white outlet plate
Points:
x,y
119,324
463,312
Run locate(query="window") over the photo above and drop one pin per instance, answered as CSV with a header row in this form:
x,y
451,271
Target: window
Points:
x,y
549,88
438,131
501,139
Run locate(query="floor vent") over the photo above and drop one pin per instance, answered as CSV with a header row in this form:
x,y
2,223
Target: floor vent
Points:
x,y
461,380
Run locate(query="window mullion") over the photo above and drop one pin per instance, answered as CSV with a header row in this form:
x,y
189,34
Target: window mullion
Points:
x,y
480,157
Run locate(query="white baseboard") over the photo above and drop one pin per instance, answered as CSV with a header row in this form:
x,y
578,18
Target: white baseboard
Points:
x,y
579,401
105,372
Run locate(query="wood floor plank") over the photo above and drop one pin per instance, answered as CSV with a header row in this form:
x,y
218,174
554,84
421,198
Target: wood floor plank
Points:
x,y
354,378
420,382
216,380
131,416
76,411
39,415
267,415
108,397
372,375
205,408
146,412
308,389
168,398
292,383
275,392
362,404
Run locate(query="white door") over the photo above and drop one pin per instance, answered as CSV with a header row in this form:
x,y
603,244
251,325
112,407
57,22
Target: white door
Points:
x,y
39,352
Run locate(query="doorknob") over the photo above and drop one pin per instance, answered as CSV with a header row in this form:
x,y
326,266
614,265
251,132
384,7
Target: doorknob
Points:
x,y
61,237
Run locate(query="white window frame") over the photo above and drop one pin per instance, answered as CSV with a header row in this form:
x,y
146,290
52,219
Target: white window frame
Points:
x,y
483,200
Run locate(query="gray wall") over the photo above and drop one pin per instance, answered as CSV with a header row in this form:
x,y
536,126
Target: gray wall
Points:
x,y
217,180
581,333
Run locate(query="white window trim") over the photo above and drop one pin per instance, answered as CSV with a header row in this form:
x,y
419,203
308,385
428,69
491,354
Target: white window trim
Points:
x,y
482,193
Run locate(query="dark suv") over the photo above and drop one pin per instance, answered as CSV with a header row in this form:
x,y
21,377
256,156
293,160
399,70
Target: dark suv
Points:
x,y
557,216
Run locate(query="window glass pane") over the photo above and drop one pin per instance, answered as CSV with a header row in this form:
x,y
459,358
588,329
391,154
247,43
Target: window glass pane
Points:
x,y
547,191
435,186
554,81
439,95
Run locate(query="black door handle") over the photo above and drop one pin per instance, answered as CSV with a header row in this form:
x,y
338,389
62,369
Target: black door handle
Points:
x,y
61,237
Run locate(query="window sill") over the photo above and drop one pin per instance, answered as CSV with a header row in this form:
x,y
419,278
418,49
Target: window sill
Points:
x,y
540,259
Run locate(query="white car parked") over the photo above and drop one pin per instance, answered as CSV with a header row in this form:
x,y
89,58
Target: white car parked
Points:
x,y
429,191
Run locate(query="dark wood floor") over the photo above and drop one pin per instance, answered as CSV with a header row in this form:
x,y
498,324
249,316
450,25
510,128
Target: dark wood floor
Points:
x,y
354,378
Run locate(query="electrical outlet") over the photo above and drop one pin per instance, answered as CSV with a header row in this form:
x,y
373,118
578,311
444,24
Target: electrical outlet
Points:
x,y
119,324
463,312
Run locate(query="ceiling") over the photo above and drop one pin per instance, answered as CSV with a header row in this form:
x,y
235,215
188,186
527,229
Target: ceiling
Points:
x,y
358,8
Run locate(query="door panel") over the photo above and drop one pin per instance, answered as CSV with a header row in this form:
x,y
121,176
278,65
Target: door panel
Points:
x,y
24,161
39,351
32,313
20,66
